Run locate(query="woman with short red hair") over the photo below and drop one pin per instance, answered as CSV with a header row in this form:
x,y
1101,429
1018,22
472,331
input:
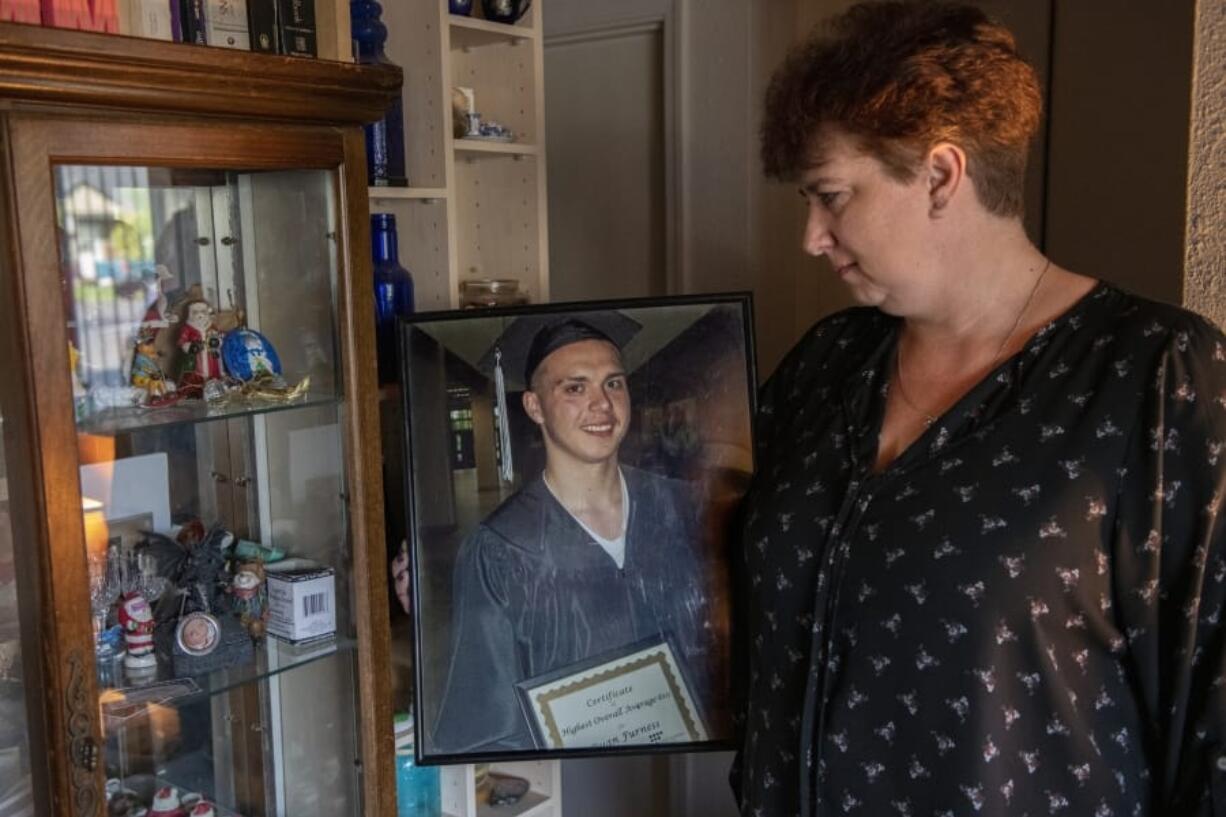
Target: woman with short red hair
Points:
x,y
985,566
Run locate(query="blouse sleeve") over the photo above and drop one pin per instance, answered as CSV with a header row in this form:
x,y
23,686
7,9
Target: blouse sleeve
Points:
x,y
1170,557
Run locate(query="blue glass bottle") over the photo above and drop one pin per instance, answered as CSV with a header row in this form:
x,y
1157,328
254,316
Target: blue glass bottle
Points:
x,y
418,793
393,292
385,138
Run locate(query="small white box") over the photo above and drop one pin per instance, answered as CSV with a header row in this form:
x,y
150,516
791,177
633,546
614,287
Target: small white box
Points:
x,y
301,600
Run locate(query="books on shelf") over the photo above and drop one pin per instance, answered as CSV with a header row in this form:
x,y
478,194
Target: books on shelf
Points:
x,y
146,18
86,15
269,26
20,11
296,28
225,24
262,25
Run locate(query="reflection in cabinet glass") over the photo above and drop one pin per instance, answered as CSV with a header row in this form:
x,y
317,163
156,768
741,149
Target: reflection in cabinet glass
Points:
x,y
202,318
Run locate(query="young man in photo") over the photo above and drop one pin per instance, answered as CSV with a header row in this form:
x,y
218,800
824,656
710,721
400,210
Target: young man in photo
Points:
x,y
589,557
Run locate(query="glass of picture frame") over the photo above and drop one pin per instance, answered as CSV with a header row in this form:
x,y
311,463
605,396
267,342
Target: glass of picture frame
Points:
x,y
572,475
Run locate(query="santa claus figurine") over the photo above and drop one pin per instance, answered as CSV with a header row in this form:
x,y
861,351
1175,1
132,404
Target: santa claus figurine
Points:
x,y
166,803
200,344
136,619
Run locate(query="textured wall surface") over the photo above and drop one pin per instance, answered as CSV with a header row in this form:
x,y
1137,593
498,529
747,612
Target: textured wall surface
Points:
x,y
1205,261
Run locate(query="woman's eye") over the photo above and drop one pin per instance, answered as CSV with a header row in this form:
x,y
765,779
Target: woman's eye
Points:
x,y
574,388
828,199
616,384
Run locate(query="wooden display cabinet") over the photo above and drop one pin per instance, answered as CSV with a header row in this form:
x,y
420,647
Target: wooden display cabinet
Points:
x,y
136,168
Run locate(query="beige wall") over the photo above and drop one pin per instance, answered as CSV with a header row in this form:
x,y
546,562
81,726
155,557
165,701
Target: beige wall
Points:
x,y
1205,254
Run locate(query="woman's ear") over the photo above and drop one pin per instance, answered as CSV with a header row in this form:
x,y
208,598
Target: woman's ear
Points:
x,y
945,167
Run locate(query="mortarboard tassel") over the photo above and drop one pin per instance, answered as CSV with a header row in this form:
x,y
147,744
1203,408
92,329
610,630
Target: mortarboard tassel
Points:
x,y
506,469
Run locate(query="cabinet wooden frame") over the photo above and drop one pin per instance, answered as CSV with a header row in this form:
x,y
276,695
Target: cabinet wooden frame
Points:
x,y
75,118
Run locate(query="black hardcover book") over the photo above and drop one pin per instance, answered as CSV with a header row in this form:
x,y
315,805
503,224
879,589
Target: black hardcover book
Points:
x,y
191,21
262,23
296,27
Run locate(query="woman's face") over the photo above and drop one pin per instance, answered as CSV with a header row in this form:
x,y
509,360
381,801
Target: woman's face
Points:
x,y
874,229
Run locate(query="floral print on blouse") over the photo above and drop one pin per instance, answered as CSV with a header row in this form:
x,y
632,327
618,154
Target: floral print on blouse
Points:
x,y
1022,614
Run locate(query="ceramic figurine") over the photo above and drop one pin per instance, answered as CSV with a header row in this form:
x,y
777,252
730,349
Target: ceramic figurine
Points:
x,y
166,803
137,621
203,809
147,372
199,342
80,397
249,598
159,315
248,550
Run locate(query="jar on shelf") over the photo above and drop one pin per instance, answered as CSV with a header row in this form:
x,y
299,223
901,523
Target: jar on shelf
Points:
x,y
483,292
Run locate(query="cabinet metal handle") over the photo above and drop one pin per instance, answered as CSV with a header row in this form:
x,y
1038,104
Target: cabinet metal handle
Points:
x,y
228,241
242,482
219,478
203,241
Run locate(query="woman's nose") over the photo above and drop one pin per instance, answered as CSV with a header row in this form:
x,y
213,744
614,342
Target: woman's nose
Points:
x,y
818,239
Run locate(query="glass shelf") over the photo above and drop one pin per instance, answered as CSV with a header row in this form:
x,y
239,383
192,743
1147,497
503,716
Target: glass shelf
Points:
x,y
124,420
120,705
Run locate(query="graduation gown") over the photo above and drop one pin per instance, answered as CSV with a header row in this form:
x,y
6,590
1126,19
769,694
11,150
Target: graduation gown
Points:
x,y
534,593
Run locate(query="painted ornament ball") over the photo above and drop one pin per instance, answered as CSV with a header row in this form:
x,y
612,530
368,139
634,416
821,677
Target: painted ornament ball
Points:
x,y
248,355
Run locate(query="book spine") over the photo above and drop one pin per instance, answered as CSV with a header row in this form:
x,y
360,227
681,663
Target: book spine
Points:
x,y
99,15
226,24
191,22
152,19
262,25
127,18
296,27
21,11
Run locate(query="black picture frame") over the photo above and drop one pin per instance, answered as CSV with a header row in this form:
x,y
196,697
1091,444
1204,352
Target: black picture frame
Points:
x,y
504,577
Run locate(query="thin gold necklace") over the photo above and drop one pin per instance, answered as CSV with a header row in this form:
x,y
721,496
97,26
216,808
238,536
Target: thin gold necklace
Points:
x,y
930,418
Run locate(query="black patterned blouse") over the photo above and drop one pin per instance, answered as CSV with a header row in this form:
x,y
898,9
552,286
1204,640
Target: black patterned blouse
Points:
x,y
1022,614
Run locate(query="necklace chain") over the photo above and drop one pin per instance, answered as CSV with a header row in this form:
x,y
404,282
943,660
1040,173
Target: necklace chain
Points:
x,y
930,418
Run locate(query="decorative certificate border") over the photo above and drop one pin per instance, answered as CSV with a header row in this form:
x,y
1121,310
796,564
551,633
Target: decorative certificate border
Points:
x,y
541,693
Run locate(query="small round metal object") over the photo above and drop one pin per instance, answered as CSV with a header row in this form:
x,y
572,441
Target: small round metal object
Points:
x,y
198,633
1221,763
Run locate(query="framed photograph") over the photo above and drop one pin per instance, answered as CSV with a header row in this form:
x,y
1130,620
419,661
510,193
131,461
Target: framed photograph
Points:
x,y
572,475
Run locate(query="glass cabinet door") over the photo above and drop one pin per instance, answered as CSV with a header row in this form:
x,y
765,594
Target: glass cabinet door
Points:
x,y
16,795
201,310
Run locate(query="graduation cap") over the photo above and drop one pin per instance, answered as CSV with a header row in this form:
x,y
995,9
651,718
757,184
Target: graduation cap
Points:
x,y
526,340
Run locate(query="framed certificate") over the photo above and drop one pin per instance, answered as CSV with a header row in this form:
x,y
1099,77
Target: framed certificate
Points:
x,y
572,474
637,697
